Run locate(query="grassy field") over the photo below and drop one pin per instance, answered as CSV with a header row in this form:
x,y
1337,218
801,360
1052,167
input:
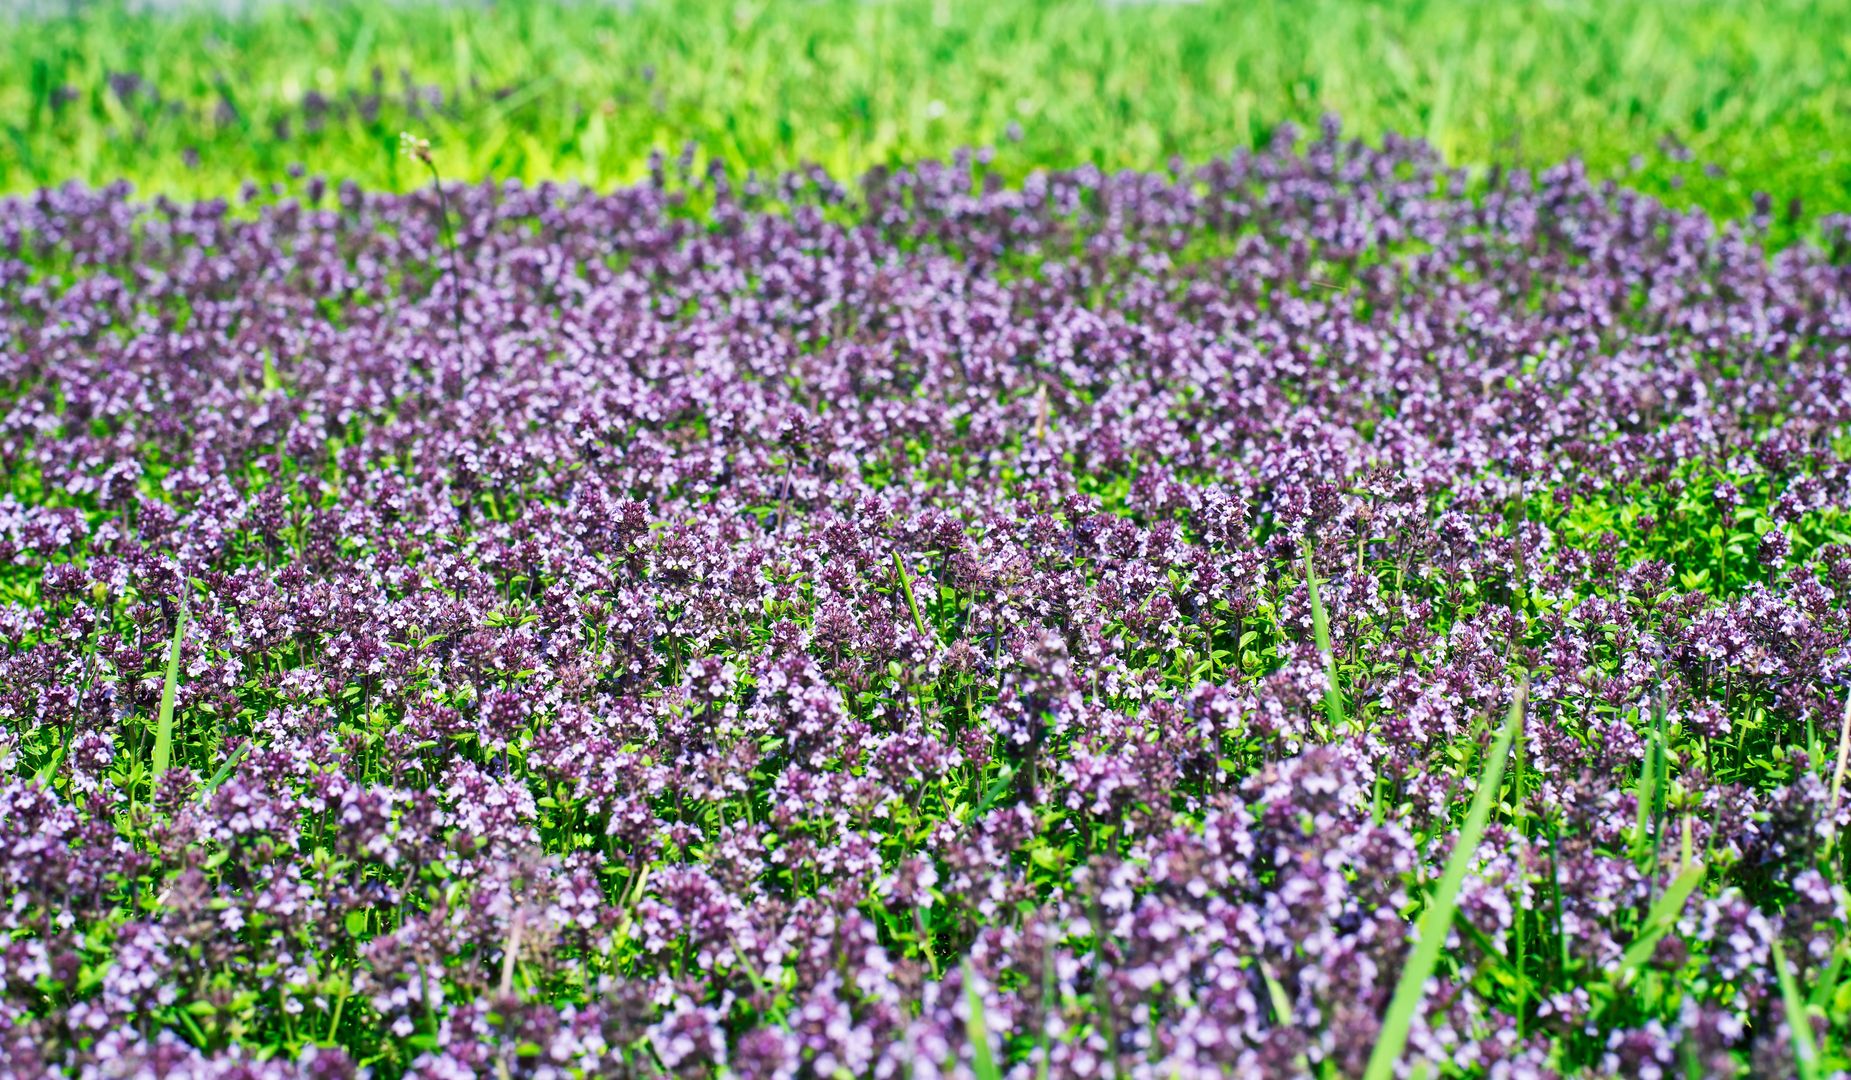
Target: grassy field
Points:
x,y
1702,103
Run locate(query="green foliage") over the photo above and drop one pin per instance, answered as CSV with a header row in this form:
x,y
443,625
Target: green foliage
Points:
x,y
1320,623
1799,1023
1437,918
164,730
977,1029
1715,100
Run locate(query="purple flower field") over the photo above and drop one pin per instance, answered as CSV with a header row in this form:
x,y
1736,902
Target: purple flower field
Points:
x,y
831,628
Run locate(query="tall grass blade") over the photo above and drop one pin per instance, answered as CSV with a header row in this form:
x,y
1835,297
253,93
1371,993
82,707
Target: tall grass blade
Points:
x,y
224,771
1646,793
1275,992
1659,921
1838,776
1799,1026
1047,1006
1320,629
1826,985
1438,916
164,728
906,584
977,1028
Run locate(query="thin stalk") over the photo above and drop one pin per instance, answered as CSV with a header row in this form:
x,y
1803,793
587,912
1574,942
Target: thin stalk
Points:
x,y
977,1029
1438,916
420,150
906,585
164,726
1320,629
1838,776
1799,1021
1523,885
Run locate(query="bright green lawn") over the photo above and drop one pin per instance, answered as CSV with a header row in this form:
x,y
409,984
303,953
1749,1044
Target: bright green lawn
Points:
x,y
1759,95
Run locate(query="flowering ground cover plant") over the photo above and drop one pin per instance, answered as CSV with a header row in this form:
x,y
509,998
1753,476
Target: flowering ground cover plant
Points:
x,y
929,627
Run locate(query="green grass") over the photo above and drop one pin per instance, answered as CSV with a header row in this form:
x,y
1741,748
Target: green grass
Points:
x,y
164,730
1437,916
1756,94
1799,1024
1320,626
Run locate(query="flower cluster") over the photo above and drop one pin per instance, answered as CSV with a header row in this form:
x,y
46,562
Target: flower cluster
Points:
x,y
787,629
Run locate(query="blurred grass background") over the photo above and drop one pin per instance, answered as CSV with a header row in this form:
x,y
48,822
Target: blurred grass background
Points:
x,y
1702,103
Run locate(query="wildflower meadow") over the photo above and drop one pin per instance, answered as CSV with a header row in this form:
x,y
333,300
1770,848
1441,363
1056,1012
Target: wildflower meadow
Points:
x,y
1340,604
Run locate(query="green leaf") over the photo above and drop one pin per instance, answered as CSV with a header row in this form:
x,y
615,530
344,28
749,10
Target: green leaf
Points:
x,y
977,1028
1658,922
1320,628
224,771
1799,1024
1275,994
1438,916
995,792
50,769
906,583
1822,992
1646,793
164,729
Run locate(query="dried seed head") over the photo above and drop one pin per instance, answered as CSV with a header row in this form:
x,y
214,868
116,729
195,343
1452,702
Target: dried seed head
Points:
x,y
414,147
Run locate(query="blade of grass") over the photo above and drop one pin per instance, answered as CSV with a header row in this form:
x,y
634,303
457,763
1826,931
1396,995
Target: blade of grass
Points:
x,y
1646,792
1822,990
977,1028
1282,1009
1799,1027
1661,764
164,727
1047,999
1522,915
1838,776
1438,917
1275,993
1320,629
995,792
224,771
745,965
1658,922
906,584
631,895
925,941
